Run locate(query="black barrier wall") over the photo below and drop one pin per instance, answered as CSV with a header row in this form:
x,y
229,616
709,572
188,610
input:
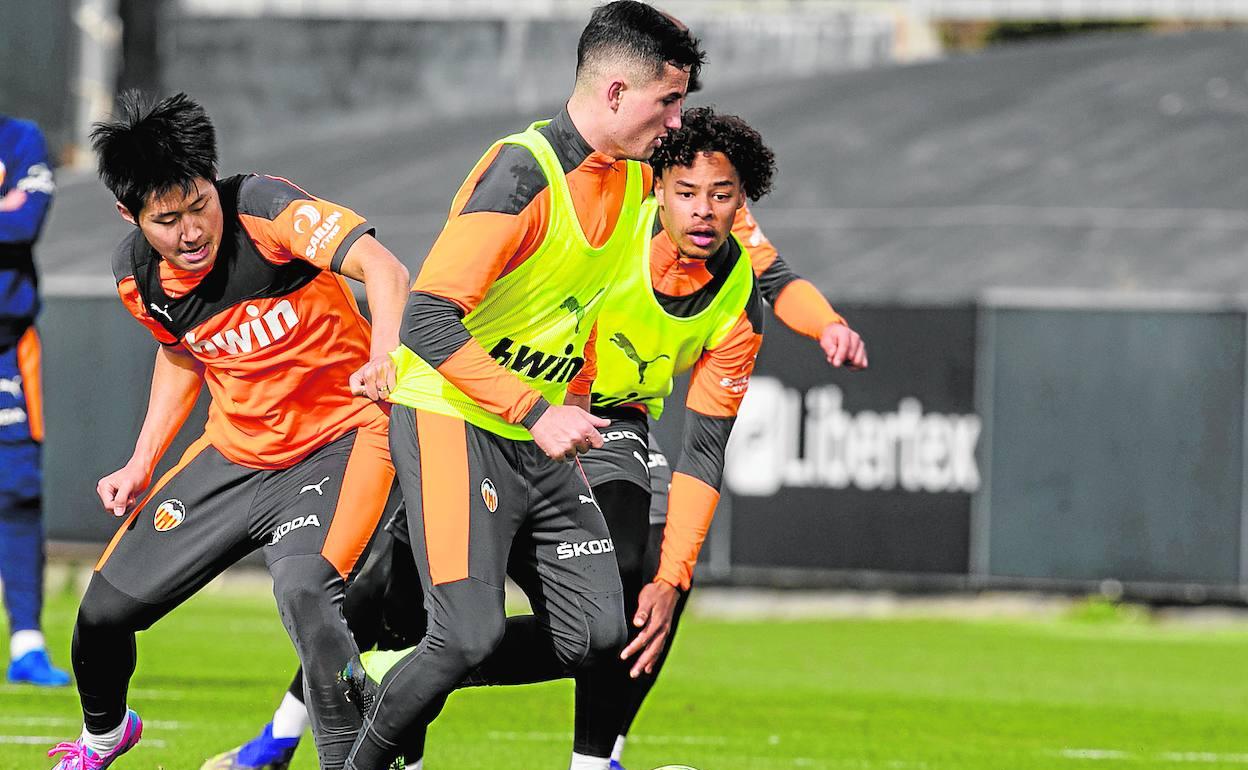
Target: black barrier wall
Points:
x,y
1117,443
1026,445
97,365
874,470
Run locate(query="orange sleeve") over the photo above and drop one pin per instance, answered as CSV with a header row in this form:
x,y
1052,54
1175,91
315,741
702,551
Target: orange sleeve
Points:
x,y
315,230
475,249
128,290
721,375
691,505
746,228
583,382
480,377
472,251
803,309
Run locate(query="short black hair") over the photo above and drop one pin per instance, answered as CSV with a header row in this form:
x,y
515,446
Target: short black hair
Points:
x,y
703,130
154,148
639,32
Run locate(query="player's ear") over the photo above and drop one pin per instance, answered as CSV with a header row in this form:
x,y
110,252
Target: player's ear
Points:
x,y
126,215
615,94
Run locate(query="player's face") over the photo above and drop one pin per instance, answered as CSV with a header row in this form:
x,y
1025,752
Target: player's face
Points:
x,y
646,111
698,203
183,226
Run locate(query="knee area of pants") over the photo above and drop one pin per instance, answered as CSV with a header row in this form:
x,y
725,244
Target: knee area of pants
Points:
x,y
473,643
105,608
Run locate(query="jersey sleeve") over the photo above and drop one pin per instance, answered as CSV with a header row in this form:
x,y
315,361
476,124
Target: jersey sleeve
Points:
x,y
497,220
795,301
719,382
287,223
29,171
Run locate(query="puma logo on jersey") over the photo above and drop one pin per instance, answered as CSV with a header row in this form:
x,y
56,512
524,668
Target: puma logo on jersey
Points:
x,y
316,487
574,306
587,548
162,310
535,364
255,334
626,345
298,522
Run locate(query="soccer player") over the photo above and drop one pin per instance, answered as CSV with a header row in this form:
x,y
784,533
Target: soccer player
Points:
x,y
26,188
241,280
495,332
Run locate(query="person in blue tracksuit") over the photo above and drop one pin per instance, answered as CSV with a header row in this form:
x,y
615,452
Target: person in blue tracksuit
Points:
x,y
26,188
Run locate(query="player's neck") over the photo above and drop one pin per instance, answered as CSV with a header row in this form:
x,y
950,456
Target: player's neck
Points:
x,y
589,126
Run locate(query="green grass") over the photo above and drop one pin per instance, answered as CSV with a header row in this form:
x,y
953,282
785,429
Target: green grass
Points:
x,y
889,694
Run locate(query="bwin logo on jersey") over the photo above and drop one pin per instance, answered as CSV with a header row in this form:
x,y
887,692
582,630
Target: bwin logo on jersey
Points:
x,y
535,364
587,548
255,334
296,523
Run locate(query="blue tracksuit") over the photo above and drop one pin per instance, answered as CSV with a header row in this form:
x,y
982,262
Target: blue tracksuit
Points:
x,y
26,188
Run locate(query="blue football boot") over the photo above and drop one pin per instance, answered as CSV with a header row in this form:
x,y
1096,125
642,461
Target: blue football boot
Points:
x,y
35,668
264,752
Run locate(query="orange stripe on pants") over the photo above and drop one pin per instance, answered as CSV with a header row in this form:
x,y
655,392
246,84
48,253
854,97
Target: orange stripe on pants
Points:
x,y
366,486
29,365
190,454
444,494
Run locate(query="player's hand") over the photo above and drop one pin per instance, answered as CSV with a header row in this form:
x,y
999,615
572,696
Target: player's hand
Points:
x,y
843,345
655,607
121,489
374,379
563,432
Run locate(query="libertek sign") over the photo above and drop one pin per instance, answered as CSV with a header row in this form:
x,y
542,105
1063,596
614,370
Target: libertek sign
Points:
x,y
870,470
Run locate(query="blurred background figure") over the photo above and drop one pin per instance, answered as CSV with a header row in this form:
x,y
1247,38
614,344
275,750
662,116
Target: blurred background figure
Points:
x,y
26,188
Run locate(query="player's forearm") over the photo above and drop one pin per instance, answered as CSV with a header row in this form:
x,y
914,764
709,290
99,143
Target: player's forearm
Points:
x,y
802,308
694,495
21,216
433,329
691,507
176,381
386,284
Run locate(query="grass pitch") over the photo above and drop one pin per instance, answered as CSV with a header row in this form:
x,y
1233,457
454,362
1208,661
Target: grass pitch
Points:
x,y
1091,691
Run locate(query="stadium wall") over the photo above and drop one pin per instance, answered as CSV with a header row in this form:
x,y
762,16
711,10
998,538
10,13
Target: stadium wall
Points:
x,y
1023,441
253,73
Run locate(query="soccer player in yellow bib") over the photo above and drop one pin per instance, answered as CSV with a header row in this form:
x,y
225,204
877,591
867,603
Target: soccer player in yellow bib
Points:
x,y
496,332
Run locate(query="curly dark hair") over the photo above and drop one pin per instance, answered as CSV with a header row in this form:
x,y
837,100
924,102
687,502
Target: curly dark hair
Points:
x,y
703,130
153,148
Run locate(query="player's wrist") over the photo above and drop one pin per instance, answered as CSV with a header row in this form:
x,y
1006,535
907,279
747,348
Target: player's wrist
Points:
x,y
535,413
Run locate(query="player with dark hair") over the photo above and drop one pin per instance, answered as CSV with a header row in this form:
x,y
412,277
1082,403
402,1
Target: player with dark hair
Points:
x,y
496,333
677,527
241,280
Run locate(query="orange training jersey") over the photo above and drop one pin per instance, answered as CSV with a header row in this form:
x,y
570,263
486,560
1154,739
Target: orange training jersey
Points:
x,y
277,330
